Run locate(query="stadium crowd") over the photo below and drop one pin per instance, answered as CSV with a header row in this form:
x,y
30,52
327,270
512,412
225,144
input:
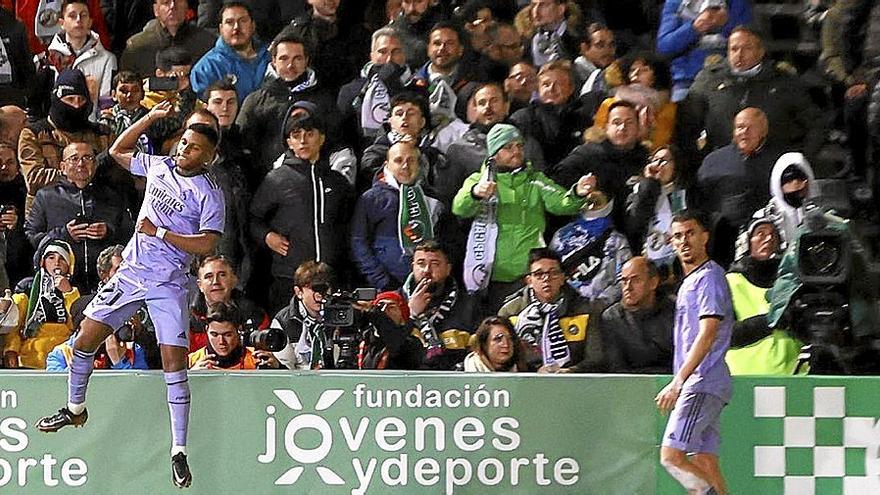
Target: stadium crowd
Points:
x,y
503,173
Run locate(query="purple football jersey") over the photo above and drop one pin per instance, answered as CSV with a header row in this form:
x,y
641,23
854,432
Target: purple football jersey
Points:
x,y
184,205
703,293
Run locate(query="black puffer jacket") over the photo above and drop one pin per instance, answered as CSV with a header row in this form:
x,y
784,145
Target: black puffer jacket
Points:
x,y
717,95
559,129
263,112
295,200
58,204
16,90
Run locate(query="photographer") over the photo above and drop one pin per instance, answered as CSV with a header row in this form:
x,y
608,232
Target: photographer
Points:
x,y
389,339
302,322
823,292
224,349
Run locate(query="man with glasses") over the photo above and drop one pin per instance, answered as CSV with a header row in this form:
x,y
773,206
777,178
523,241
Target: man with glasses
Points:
x,y
598,50
552,320
236,54
89,216
41,143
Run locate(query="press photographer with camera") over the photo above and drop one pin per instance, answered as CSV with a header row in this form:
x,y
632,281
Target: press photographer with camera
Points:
x,y
302,321
389,339
331,328
226,349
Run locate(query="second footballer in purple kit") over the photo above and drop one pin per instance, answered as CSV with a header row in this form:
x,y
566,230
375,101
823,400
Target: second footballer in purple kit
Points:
x,y
701,385
182,215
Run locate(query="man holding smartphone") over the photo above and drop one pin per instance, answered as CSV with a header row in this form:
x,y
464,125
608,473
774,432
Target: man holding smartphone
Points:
x,y
90,216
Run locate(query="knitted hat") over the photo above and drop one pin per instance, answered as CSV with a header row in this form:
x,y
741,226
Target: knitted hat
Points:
x,y
743,241
62,249
500,136
71,82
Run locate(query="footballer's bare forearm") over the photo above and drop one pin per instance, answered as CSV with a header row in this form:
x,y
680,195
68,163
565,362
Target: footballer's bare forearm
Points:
x,y
199,244
702,345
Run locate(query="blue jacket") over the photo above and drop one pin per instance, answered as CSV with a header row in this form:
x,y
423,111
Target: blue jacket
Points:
x,y
59,358
375,244
677,39
222,60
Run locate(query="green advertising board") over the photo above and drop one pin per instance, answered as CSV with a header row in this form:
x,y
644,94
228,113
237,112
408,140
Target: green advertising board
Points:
x,y
431,433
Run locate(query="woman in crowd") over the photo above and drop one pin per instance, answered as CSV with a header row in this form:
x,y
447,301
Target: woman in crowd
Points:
x,y
656,197
495,348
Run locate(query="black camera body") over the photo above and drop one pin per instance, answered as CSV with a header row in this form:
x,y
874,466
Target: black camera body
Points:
x,y
339,314
270,339
337,310
821,310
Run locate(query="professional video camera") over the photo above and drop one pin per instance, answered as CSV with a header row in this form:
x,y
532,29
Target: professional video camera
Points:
x,y
339,313
338,308
270,339
822,313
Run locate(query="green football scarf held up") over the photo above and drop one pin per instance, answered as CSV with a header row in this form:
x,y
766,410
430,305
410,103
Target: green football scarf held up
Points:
x,y
413,219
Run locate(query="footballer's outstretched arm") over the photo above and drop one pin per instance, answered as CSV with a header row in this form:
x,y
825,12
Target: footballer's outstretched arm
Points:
x,y
123,148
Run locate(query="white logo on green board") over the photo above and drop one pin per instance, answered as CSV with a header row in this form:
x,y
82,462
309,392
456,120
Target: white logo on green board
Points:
x,y
370,444
17,467
825,445
303,422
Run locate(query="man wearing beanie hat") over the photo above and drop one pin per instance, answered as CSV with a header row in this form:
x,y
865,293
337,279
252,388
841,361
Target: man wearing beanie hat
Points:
x,y
41,144
44,312
755,348
509,197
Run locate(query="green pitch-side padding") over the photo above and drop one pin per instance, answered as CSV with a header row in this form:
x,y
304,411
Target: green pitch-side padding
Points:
x,y
776,354
431,434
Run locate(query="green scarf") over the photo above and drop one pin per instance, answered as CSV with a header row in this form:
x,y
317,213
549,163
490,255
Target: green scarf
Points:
x,y
413,219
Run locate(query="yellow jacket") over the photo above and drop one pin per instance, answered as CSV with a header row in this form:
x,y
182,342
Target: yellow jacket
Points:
x,y
32,352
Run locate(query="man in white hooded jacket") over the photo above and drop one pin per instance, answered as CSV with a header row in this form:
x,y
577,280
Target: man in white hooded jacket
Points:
x,y
791,183
76,46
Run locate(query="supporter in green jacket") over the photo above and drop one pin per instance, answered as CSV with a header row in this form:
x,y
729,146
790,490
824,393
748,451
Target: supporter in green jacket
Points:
x,y
524,197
